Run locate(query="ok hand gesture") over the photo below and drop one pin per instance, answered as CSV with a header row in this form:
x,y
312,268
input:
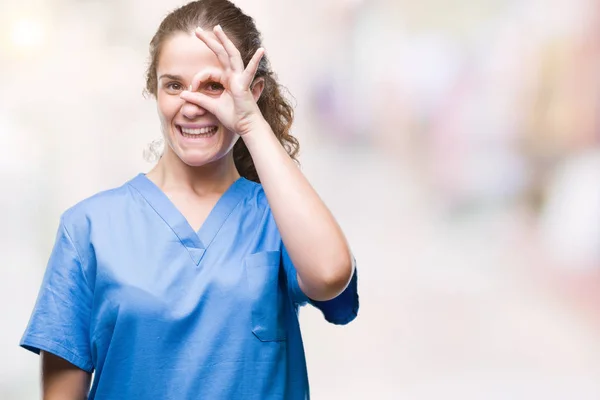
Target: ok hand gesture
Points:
x,y
231,98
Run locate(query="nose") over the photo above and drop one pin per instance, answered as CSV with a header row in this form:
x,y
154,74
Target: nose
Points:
x,y
192,111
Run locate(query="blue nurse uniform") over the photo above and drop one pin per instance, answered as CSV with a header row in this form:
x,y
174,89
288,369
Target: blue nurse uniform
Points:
x,y
158,311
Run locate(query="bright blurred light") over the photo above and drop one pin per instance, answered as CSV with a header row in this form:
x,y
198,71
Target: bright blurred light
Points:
x,y
27,34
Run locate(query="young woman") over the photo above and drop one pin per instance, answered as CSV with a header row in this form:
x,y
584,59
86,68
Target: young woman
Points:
x,y
185,282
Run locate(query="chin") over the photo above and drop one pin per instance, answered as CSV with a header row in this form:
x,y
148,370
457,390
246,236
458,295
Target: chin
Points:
x,y
193,159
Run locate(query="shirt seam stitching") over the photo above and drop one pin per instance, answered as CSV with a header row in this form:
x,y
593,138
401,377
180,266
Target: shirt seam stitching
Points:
x,y
161,217
77,253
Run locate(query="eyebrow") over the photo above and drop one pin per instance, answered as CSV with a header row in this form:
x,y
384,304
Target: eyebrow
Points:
x,y
169,76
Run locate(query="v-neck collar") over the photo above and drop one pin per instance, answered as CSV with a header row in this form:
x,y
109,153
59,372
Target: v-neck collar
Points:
x,y
195,242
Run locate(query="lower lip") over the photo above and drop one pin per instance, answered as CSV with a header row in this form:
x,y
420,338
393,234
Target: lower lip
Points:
x,y
197,138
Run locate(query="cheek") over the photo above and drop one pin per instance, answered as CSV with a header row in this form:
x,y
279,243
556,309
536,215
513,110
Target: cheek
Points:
x,y
167,109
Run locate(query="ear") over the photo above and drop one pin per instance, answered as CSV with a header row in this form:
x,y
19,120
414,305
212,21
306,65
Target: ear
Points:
x,y
257,88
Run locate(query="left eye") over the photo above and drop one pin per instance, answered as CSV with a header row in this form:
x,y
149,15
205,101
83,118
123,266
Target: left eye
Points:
x,y
214,86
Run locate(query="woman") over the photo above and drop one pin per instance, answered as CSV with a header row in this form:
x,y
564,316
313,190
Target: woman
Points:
x,y
185,282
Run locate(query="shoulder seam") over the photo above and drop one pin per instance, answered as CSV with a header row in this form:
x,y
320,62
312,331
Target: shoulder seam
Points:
x,y
77,252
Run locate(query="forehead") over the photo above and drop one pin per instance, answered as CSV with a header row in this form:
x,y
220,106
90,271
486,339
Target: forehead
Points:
x,y
185,55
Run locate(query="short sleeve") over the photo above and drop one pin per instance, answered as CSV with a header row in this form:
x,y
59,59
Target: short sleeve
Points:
x,y
340,310
59,323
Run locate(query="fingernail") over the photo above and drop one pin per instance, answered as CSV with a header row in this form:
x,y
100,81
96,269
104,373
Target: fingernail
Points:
x,y
218,27
190,88
199,29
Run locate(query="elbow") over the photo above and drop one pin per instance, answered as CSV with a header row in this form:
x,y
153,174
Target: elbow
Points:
x,y
334,279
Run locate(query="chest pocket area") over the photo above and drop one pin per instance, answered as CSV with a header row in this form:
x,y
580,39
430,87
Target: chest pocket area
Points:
x,y
266,286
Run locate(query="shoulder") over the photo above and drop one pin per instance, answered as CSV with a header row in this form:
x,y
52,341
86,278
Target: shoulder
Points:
x,y
98,206
255,196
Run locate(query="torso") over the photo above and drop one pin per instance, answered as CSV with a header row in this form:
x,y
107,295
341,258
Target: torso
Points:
x,y
192,288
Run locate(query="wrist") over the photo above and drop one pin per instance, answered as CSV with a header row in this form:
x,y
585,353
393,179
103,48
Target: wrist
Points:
x,y
257,132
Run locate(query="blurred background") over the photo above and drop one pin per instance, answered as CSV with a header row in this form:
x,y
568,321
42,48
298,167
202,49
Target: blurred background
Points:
x,y
457,142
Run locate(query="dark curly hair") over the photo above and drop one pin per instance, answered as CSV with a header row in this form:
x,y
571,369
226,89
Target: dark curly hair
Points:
x,y
242,31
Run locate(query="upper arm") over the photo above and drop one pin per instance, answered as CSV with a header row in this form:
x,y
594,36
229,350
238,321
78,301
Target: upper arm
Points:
x,y
62,380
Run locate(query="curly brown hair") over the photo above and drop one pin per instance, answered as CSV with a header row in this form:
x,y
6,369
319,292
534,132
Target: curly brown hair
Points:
x,y
241,29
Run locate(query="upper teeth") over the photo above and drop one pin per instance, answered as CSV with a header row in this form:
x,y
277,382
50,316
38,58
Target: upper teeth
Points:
x,y
199,131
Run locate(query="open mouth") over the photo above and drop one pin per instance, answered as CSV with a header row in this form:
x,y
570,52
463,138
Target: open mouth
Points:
x,y
198,133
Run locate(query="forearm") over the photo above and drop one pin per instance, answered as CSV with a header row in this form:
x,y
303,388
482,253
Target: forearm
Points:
x,y
313,239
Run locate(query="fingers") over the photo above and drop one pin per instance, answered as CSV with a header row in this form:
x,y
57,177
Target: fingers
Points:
x,y
207,75
252,67
215,46
228,55
200,99
235,58
204,100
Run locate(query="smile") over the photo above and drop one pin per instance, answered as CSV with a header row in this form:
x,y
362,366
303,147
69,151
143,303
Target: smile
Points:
x,y
198,133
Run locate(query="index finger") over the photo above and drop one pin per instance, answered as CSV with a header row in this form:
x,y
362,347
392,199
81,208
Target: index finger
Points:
x,y
206,75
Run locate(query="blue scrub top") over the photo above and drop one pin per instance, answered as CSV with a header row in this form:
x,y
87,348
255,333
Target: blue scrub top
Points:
x,y
158,311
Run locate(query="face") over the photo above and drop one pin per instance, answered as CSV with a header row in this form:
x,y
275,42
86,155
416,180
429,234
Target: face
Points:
x,y
191,132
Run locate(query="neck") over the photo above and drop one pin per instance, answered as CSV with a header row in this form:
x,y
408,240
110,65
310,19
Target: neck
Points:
x,y
172,174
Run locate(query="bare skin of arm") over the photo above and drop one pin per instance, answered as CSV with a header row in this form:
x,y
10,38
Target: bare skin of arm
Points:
x,y
61,380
